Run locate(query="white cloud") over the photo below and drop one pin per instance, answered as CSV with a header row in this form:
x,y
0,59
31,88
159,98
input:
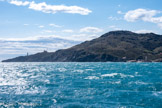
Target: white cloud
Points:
x,y
144,15
144,31
41,26
160,25
119,12
114,18
82,37
114,27
58,8
119,5
68,31
43,7
55,25
47,31
91,30
26,24
19,3
156,20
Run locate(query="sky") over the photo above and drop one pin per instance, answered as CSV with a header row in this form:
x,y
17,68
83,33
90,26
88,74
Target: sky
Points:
x,y
31,26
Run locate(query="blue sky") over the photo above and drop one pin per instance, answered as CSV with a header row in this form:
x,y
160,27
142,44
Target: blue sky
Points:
x,y
26,25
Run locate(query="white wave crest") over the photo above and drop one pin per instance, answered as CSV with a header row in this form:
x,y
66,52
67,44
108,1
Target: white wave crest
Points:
x,y
115,74
109,75
92,77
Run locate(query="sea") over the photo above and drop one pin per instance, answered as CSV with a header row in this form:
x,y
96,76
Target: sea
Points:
x,y
81,85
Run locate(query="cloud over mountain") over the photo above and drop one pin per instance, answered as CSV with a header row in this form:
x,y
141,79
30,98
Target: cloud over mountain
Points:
x,y
34,44
91,30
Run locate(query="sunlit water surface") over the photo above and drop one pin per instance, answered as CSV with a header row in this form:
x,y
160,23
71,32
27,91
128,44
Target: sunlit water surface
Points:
x,y
80,85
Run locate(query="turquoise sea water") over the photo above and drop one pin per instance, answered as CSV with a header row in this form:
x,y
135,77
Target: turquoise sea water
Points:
x,y
80,85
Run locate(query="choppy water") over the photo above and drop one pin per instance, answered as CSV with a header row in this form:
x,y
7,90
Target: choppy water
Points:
x,y
81,85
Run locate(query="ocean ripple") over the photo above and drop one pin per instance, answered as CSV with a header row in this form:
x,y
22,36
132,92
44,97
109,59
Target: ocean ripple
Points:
x,y
80,85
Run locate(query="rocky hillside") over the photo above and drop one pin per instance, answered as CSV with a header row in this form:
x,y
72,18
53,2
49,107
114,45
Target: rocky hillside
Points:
x,y
115,46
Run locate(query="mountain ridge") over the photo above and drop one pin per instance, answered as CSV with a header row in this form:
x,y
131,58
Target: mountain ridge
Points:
x,y
114,46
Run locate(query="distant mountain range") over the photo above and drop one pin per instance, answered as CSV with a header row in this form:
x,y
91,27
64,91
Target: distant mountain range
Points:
x,y
114,46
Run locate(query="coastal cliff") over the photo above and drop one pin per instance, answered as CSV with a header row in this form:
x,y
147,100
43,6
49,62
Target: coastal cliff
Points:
x,y
114,46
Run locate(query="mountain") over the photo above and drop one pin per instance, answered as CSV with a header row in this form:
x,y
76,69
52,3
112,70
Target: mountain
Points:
x,y
114,46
